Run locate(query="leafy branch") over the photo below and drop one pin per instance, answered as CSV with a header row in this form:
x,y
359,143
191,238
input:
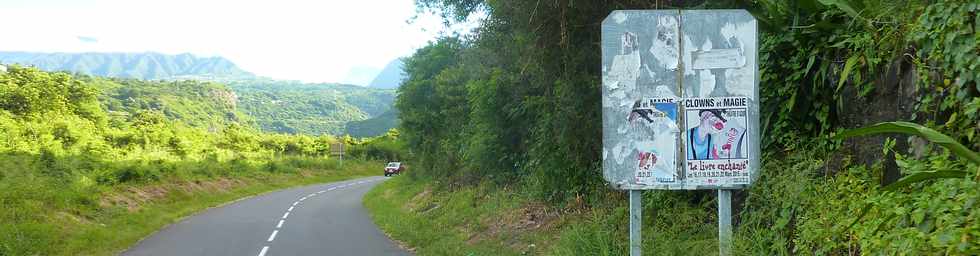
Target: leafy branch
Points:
x,y
916,130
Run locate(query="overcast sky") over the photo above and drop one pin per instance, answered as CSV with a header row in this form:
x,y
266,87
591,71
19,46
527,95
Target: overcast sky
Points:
x,y
312,41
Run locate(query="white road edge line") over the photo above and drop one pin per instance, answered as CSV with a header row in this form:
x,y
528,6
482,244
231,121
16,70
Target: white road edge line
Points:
x,y
264,250
273,236
285,215
311,195
290,209
294,203
280,223
331,189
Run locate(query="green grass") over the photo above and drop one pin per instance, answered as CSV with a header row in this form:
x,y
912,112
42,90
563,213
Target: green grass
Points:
x,y
55,220
489,219
493,220
437,224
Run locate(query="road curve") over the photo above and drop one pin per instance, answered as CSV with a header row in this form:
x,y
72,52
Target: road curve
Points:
x,y
325,219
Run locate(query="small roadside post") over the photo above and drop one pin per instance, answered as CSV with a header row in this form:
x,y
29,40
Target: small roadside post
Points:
x,y
337,149
680,106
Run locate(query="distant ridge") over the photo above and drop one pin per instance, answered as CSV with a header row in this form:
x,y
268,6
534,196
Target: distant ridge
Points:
x,y
391,76
272,105
147,65
374,126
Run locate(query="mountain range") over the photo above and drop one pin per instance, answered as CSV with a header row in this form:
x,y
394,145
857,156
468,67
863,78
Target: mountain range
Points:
x,y
146,65
391,76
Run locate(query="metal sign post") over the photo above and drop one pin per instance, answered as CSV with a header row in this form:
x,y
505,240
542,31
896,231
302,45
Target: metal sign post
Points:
x,y
724,222
680,106
636,221
337,149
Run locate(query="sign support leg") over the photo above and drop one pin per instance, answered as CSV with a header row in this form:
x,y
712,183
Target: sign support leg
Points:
x,y
724,222
636,214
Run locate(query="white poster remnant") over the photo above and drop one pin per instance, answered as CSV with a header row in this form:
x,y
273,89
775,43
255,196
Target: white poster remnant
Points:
x,y
653,131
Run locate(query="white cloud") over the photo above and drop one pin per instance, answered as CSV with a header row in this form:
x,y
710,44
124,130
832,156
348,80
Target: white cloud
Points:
x,y
315,41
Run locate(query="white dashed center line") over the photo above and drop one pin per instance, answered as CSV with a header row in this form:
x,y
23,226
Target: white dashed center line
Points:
x,y
273,236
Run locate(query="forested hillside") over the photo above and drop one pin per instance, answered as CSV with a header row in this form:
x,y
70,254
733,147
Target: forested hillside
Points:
x,y
277,106
513,111
373,126
301,108
199,104
148,65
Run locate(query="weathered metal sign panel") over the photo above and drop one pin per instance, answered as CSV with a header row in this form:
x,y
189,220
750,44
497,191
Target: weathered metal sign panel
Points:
x,y
680,105
337,149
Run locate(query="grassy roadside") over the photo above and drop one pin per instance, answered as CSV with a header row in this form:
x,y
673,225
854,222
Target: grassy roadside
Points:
x,y
489,220
790,210
111,219
493,220
440,224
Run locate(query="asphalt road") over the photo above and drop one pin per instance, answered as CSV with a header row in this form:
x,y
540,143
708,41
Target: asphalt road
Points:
x,y
325,219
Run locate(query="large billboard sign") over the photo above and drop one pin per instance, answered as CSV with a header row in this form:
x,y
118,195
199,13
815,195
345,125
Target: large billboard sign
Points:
x,y
680,106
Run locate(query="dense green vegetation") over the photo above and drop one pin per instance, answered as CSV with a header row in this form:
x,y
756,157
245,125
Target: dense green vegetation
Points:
x,y
514,108
91,165
199,104
298,108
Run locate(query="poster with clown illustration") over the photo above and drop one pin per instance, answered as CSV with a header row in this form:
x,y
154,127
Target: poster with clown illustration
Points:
x,y
717,148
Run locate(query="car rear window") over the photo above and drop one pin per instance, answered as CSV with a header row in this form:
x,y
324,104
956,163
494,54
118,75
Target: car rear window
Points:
x,y
393,164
